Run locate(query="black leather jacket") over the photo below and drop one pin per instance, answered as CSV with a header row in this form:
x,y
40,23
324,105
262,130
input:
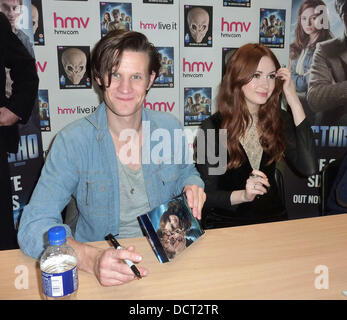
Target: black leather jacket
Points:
x,y
299,154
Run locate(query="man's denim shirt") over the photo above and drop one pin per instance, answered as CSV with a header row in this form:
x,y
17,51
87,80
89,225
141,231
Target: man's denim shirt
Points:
x,y
82,163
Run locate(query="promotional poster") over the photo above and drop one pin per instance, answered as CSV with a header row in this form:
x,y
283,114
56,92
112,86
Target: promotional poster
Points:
x,y
319,83
197,105
272,27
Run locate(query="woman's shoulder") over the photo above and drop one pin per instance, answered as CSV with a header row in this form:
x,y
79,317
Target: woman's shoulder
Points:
x,y
213,122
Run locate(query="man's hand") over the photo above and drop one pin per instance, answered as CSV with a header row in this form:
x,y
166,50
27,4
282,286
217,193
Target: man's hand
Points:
x,y
111,270
196,198
7,117
108,265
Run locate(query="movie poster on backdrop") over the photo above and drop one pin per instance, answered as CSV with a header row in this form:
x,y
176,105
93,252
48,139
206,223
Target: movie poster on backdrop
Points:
x,y
319,70
25,165
198,26
272,27
197,105
74,67
115,16
38,29
237,3
166,75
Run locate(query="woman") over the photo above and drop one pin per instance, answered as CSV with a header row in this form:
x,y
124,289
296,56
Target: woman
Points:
x,y
105,22
307,35
264,26
188,106
259,134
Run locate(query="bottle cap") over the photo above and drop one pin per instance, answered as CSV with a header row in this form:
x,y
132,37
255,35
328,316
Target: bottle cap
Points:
x,y
56,235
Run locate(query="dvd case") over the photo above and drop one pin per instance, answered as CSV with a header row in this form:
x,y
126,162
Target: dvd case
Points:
x,y
170,228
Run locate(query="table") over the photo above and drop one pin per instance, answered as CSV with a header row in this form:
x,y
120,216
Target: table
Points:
x,y
294,259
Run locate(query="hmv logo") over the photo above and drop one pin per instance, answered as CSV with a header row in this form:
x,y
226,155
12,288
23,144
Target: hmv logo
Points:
x,y
159,106
235,26
69,22
158,26
196,66
41,66
196,69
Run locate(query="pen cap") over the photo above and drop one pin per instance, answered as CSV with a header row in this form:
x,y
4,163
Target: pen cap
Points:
x,y
56,235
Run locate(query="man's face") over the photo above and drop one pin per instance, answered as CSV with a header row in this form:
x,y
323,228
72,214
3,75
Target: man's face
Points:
x,y
127,91
344,19
174,240
12,10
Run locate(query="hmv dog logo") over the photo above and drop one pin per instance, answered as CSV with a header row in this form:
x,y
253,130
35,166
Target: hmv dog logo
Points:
x,y
70,25
196,69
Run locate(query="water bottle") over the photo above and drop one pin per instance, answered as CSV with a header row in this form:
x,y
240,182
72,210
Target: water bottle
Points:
x,y
58,265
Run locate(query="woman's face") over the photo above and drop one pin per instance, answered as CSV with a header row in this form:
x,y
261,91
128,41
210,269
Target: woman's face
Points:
x,y
260,88
307,20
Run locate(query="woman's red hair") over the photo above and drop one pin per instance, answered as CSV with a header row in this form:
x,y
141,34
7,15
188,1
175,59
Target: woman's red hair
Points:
x,y
234,111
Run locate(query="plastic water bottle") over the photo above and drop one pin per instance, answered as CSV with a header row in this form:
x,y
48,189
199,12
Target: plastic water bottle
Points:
x,y
58,266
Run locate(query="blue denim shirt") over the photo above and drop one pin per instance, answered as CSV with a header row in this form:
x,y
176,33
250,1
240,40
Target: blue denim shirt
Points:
x,y
82,163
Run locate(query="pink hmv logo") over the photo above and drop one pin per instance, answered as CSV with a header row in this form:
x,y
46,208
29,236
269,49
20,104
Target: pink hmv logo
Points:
x,y
197,66
235,26
159,106
69,22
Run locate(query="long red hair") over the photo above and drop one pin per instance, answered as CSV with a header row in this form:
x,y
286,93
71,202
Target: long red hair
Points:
x,y
234,111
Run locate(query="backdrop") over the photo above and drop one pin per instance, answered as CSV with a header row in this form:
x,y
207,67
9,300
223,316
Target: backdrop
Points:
x,y
194,38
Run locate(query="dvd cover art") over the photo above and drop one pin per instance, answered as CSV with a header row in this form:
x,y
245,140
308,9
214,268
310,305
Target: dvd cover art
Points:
x,y
197,105
159,1
165,78
198,26
170,228
115,16
272,27
237,3
37,17
45,119
74,67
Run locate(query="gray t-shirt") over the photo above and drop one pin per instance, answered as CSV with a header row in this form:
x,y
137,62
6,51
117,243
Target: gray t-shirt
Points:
x,y
133,200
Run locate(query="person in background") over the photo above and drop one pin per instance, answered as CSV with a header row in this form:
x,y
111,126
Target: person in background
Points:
x,y
258,135
307,35
12,9
327,89
17,108
107,162
337,199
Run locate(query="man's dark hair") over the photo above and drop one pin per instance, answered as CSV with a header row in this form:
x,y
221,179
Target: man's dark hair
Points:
x,y
104,59
341,7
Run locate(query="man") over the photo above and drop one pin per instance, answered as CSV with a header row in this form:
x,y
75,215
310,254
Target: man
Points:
x,y
18,107
327,90
13,10
337,200
110,163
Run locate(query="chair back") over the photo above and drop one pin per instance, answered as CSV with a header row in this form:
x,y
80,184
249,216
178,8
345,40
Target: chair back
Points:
x,y
329,173
280,186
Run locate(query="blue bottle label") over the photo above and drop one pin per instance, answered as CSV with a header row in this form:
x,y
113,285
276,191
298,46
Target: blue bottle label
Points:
x,y
59,284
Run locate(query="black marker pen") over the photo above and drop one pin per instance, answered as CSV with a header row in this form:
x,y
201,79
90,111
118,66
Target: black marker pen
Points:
x,y
117,246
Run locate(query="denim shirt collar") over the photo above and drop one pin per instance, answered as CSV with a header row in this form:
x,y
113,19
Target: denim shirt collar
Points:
x,y
99,120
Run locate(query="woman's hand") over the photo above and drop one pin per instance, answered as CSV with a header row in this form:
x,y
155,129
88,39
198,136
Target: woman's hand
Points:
x,y
256,184
291,95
